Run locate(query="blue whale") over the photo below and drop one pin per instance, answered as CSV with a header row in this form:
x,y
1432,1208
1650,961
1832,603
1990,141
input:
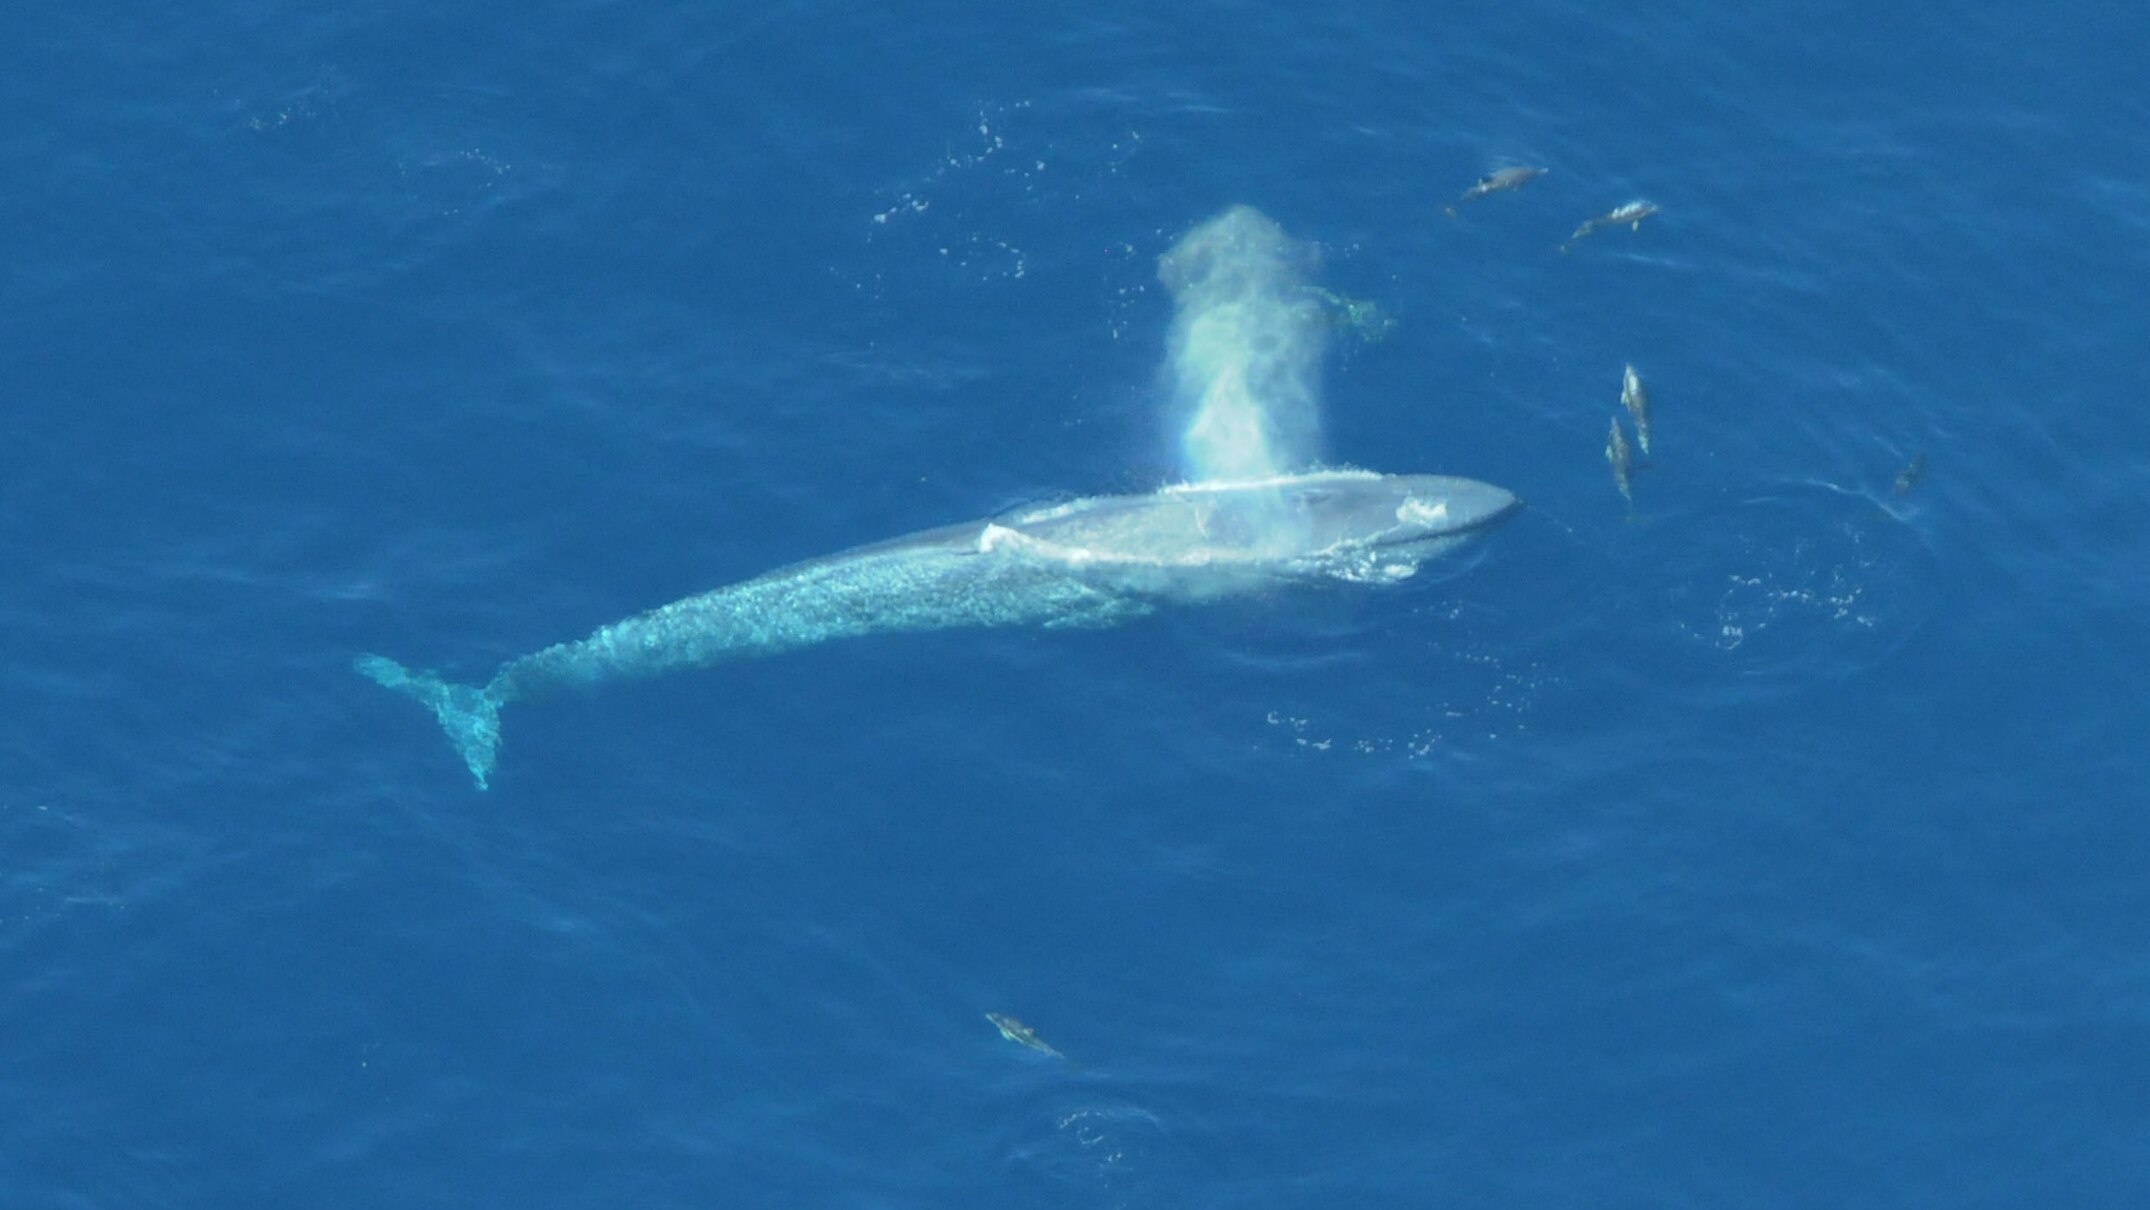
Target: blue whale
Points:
x,y
1097,561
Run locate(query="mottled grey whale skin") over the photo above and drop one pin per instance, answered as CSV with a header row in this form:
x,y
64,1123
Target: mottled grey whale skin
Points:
x,y
1097,561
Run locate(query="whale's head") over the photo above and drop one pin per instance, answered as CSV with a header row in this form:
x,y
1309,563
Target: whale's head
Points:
x,y
1358,526
1346,508
1354,525
1402,516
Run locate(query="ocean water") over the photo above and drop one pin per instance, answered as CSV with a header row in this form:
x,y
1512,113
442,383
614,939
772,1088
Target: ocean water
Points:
x,y
1778,842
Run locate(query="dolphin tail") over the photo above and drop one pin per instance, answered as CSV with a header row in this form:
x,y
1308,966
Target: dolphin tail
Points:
x,y
468,713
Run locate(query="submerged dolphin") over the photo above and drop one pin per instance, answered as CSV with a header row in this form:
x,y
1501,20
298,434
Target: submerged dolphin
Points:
x,y
1090,562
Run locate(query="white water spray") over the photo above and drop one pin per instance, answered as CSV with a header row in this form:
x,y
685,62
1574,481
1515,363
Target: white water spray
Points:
x,y
1247,341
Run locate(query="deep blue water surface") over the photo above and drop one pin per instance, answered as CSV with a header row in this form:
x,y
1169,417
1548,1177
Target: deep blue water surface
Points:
x,y
1781,845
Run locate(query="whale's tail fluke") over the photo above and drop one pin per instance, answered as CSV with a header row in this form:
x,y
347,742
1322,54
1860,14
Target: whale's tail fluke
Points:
x,y
469,714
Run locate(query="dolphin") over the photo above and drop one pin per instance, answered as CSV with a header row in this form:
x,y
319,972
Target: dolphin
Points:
x,y
1091,562
1499,179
